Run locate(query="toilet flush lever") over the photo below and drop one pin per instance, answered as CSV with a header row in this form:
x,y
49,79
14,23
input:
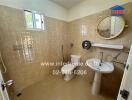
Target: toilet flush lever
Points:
x,y
6,84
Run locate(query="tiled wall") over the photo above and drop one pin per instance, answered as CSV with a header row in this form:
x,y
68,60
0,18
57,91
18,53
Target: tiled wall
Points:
x,y
85,29
24,65
46,46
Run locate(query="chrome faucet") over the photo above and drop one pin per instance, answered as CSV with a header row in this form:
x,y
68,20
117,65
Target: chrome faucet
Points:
x,y
6,84
101,58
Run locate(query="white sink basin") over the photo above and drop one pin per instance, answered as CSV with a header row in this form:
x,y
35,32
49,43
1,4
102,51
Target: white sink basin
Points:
x,y
105,67
99,68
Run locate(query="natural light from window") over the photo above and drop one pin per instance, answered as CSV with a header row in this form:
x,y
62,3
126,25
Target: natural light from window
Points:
x,y
34,20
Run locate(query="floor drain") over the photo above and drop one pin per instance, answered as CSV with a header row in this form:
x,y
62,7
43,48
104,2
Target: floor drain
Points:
x,y
19,94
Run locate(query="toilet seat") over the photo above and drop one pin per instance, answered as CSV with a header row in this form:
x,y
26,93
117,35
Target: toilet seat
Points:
x,y
67,69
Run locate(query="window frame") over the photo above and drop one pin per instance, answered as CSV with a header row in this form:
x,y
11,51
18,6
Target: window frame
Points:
x,y
43,26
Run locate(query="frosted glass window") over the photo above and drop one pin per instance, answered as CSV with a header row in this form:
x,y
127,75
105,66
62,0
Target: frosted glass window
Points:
x,y
29,19
34,20
38,21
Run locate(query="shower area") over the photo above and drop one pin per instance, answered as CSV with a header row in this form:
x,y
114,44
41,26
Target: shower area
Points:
x,y
23,51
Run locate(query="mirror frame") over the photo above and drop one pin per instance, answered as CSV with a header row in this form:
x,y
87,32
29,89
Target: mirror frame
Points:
x,y
111,36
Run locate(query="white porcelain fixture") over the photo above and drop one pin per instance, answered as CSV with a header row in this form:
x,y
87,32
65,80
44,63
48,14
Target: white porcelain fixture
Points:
x,y
99,68
67,70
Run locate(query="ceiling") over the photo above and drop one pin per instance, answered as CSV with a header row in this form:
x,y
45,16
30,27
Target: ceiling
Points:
x,y
67,3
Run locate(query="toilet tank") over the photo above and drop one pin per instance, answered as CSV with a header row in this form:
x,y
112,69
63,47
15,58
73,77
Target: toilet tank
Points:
x,y
75,59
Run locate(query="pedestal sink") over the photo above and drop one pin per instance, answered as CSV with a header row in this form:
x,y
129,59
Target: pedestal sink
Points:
x,y
99,68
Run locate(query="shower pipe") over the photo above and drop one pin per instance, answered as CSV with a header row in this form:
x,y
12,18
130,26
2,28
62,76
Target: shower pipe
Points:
x,y
62,50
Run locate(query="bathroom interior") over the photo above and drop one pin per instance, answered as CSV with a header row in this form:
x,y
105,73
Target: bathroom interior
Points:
x,y
37,34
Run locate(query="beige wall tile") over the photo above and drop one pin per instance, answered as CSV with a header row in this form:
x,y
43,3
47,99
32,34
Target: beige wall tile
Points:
x,y
47,46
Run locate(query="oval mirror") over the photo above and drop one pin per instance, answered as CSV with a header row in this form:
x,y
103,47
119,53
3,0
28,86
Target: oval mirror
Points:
x,y
110,27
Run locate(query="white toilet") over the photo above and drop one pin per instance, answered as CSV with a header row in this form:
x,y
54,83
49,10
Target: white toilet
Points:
x,y
67,70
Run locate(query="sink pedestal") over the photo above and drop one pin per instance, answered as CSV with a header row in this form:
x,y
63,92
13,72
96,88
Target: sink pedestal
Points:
x,y
96,83
99,69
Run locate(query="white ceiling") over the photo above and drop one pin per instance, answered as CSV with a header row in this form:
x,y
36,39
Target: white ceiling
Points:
x,y
67,3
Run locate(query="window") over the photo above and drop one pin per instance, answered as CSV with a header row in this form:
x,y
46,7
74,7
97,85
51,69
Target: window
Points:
x,y
34,20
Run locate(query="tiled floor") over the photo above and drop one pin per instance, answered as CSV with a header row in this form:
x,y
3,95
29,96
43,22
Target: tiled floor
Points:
x,y
55,88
